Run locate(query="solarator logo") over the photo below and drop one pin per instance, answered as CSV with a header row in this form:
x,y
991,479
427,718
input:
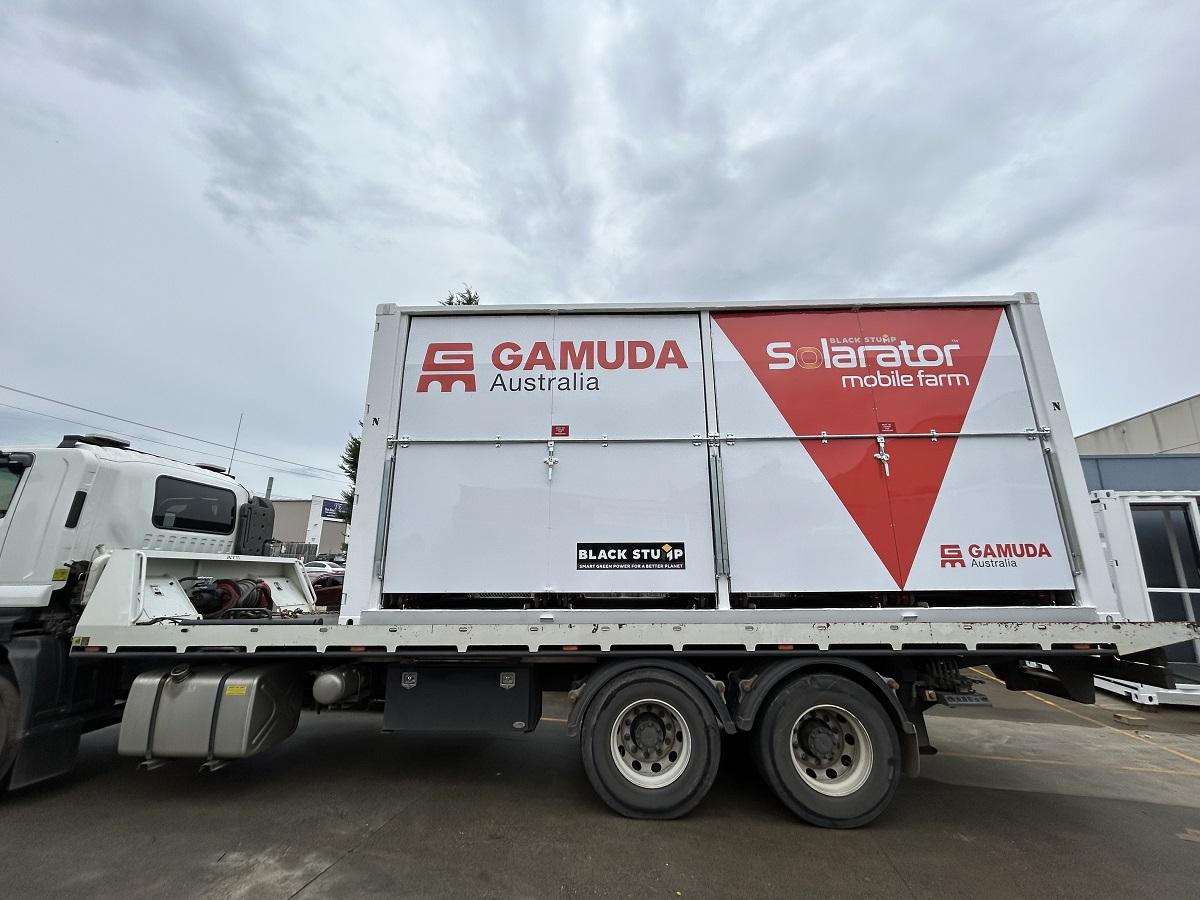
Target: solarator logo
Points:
x,y
892,360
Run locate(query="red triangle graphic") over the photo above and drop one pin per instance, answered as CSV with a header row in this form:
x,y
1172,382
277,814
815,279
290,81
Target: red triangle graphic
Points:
x,y
902,371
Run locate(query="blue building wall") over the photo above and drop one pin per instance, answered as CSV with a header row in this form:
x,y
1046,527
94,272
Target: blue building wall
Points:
x,y
1138,472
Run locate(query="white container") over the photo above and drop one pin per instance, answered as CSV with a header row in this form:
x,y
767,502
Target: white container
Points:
x,y
771,453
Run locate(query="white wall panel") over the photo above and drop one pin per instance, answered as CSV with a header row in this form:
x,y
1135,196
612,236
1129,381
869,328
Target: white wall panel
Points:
x,y
468,518
459,400
653,493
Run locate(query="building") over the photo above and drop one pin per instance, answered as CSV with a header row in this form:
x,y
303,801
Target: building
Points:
x,y
1157,455
1174,428
316,521
1142,472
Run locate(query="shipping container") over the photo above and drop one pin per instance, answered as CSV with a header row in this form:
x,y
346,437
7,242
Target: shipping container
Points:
x,y
854,455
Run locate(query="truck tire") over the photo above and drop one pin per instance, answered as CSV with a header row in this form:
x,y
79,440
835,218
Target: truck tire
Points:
x,y
651,745
829,750
10,712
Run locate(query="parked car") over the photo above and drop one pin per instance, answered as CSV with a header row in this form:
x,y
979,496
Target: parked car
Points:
x,y
323,567
328,589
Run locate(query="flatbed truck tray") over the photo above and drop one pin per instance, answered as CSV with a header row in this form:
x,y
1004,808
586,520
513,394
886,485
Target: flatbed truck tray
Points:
x,y
605,633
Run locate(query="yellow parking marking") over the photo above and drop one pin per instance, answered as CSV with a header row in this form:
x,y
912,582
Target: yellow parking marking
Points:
x,y
1071,712
553,719
1154,770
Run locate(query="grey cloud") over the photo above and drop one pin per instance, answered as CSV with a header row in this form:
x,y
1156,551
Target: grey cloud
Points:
x,y
265,169
265,172
21,112
828,148
962,151
619,150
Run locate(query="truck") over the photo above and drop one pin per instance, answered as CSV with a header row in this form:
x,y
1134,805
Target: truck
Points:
x,y
797,524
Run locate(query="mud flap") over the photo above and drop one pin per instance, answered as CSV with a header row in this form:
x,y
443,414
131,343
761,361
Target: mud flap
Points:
x,y
1069,679
49,748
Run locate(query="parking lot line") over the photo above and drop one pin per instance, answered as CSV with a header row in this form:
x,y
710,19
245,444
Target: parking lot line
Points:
x,y
1066,762
1071,712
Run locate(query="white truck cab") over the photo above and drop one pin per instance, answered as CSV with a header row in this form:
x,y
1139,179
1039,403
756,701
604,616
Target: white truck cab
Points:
x,y
63,507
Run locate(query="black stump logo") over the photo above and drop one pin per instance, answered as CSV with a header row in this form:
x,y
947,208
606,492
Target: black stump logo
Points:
x,y
666,555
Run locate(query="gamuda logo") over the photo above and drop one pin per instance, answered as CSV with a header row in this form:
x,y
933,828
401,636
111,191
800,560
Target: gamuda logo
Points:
x,y
447,365
991,556
564,367
575,355
892,361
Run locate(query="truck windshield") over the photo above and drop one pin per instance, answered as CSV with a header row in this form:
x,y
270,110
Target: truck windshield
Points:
x,y
187,506
8,486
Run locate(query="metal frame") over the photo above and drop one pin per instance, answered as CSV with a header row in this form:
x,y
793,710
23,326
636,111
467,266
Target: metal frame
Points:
x,y
372,492
1092,584
1129,500
392,309
107,626
730,438
1147,695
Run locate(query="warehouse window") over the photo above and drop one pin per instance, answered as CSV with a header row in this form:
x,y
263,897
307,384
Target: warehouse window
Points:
x,y
187,506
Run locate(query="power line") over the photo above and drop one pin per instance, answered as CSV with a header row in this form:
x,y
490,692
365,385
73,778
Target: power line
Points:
x,y
189,437
149,440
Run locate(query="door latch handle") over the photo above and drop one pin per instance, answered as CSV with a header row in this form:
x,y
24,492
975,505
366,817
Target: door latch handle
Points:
x,y
883,456
551,460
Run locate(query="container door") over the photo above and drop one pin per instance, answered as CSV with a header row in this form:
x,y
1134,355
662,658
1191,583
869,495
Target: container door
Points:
x,y
977,511
841,476
805,499
470,513
630,506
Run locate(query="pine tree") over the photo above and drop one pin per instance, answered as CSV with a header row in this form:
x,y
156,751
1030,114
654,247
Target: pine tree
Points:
x,y
349,464
466,297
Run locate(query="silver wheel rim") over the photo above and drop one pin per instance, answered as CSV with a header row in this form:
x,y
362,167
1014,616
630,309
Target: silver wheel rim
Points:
x,y
650,743
831,750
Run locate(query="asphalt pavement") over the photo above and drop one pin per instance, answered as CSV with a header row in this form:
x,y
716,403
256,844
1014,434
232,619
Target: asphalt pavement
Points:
x,y
1034,797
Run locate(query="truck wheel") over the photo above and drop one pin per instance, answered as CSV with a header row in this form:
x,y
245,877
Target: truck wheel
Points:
x,y
829,751
10,710
651,746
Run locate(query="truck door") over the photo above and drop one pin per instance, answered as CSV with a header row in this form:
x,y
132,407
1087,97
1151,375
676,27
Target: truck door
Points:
x,y
32,540
13,467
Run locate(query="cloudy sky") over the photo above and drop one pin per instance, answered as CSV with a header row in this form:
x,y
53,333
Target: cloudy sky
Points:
x,y
201,204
